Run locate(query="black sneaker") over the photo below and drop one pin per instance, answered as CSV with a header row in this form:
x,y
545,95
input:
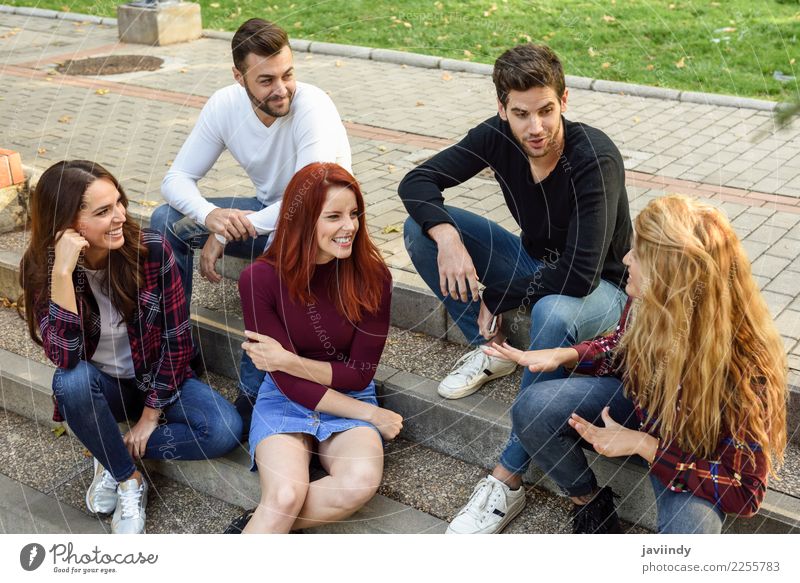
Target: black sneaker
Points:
x,y
238,523
244,406
598,516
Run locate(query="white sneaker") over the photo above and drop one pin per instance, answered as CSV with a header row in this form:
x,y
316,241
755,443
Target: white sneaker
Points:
x,y
473,370
129,515
490,508
101,497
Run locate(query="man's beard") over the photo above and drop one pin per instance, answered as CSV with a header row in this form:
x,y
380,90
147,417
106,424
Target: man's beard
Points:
x,y
265,107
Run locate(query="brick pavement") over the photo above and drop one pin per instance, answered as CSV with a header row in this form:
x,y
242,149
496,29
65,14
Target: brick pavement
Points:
x,y
396,116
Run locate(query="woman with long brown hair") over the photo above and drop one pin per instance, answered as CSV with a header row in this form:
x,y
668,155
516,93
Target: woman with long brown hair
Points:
x,y
693,381
104,299
316,311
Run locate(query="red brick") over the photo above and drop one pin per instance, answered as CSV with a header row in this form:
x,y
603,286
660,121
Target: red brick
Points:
x,y
776,198
739,199
10,168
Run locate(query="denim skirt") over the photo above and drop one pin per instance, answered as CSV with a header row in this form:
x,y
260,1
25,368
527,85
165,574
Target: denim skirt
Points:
x,y
274,413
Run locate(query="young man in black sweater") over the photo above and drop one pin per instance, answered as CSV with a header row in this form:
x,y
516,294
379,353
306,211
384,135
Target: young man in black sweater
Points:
x,y
564,184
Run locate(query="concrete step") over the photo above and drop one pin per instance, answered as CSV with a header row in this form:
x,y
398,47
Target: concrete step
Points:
x,y
473,430
189,496
24,510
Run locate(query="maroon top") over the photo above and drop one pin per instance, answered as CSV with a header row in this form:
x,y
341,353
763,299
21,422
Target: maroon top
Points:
x,y
316,331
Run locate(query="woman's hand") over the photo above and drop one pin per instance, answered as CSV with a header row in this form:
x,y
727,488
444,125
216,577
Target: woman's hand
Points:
x,y
614,440
536,360
138,435
266,353
69,244
387,422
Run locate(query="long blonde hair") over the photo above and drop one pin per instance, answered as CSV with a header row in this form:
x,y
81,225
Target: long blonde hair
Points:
x,y
702,354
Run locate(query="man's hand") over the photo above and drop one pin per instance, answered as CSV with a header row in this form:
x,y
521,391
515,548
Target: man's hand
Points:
x,y
485,318
212,251
232,224
456,271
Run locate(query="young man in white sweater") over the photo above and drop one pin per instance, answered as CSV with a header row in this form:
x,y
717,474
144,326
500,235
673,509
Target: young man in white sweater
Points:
x,y
273,126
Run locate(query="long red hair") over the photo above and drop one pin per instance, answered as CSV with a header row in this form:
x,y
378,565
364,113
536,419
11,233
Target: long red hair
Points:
x,y
360,278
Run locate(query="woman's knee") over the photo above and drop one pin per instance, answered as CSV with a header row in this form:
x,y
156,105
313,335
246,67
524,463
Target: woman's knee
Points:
x,y
537,415
73,387
285,496
358,485
223,431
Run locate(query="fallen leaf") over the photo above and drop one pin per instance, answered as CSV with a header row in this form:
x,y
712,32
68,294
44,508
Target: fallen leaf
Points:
x,y
148,203
650,67
672,7
101,92
86,453
298,24
391,168
606,65
592,52
468,54
791,61
59,430
214,5
635,120
65,119
7,303
338,63
446,77
420,103
608,18
391,229
183,70
681,64
41,151
382,148
404,66
309,57
407,24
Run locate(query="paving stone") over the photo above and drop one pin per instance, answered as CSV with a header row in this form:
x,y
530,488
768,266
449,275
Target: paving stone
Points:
x,y
769,266
788,324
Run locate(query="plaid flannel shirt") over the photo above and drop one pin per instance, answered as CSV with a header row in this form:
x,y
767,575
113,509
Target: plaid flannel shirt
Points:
x,y
160,333
734,478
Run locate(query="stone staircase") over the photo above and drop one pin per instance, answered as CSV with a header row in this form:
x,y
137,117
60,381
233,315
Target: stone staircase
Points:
x,y
439,435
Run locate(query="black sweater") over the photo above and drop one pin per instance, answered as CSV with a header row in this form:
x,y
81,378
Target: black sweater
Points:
x,y
576,220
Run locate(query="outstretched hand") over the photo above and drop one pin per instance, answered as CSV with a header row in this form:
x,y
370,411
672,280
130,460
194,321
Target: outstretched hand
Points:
x,y
536,360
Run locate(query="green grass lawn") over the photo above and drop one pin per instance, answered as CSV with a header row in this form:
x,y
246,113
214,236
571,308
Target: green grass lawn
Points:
x,y
723,46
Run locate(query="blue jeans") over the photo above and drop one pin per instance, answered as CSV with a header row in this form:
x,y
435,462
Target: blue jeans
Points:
x,y
201,424
499,256
185,235
539,418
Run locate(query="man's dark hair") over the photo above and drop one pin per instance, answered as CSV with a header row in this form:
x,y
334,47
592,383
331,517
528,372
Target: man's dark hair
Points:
x,y
526,66
257,36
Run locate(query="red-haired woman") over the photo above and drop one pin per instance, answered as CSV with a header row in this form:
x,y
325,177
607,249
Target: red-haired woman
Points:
x,y
316,310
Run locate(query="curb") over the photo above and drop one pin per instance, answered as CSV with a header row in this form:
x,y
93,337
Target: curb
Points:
x,y
432,62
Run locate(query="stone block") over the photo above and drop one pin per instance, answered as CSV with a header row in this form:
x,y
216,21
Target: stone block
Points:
x,y
165,24
13,207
